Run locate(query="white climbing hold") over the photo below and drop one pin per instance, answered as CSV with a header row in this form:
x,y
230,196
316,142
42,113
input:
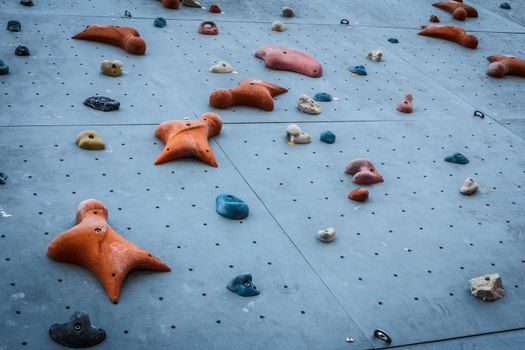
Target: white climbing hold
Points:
x,y
326,235
278,26
487,287
296,135
307,105
222,67
375,55
469,186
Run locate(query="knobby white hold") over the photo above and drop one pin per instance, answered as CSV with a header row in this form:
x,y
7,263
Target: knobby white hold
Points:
x,y
296,135
222,67
469,186
111,68
375,55
278,26
487,287
307,105
326,235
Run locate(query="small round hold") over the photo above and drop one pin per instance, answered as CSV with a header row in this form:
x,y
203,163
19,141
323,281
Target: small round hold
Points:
x,y
327,136
22,51
287,11
111,68
345,21
278,26
505,6
381,334
214,8
208,28
127,14
349,339
159,22
326,235
434,19
14,26
479,114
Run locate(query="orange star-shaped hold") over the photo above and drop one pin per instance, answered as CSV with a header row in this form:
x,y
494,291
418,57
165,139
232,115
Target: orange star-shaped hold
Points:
x,y
93,244
188,138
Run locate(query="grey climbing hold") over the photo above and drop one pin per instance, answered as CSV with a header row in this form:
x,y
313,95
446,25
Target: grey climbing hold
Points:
x,y
4,68
505,6
457,158
375,55
14,26
78,332
307,105
3,178
326,235
469,186
101,103
222,67
243,286
296,135
278,26
192,3
26,2
327,136
487,287
22,51
393,41
159,22
287,11
323,97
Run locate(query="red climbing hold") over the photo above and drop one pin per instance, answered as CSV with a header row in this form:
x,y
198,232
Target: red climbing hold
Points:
x,y
215,9
208,28
360,194
405,106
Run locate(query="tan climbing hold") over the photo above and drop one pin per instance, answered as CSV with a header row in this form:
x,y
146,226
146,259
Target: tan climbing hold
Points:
x,y
111,68
487,287
278,26
375,55
89,139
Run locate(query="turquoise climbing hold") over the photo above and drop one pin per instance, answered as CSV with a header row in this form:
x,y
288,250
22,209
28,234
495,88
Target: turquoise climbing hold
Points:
x,y
328,136
323,97
242,285
4,68
393,41
159,22
231,207
457,158
359,70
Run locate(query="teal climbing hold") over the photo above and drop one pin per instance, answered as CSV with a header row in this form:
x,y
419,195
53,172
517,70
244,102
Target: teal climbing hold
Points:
x,y
393,41
159,22
328,136
242,285
14,26
457,158
323,97
359,70
4,68
3,178
231,207
505,5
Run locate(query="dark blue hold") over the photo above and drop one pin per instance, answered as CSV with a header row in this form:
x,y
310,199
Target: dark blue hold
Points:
x,y
231,207
393,41
242,285
457,158
328,136
359,70
159,22
4,68
78,332
3,178
323,97
505,5
14,26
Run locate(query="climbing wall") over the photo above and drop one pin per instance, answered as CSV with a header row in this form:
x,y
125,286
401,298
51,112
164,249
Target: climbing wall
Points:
x,y
401,261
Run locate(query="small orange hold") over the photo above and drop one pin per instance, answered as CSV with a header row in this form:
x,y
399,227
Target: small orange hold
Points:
x,y
214,8
127,38
208,28
254,93
171,4
360,194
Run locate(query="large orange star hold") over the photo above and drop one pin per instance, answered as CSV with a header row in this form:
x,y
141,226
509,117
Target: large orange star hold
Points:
x,y
93,244
188,138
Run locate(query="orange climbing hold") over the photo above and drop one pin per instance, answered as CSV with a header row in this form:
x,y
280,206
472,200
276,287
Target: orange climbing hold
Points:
x,y
171,4
126,38
459,10
501,65
253,93
360,194
450,33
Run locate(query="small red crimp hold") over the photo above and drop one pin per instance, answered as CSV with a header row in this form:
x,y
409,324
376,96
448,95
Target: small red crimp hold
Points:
x,y
208,28
214,8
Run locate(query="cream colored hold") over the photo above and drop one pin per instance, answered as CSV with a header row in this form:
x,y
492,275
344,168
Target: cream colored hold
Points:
x,y
111,68
89,139
469,187
222,67
375,55
296,135
278,26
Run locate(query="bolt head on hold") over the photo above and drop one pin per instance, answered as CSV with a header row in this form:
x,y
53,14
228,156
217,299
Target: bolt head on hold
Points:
x,y
487,287
243,286
14,26
159,22
111,68
326,235
78,332
22,51
231,207
89,139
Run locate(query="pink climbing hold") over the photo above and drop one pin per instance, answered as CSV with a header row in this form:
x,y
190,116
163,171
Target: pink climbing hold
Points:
x,y
405,106
283,58
365,173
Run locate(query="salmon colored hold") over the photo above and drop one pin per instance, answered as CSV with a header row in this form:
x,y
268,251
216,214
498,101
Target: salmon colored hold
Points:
x,y
208,28
253,93
364,172
284,58
171,4
405,106
360,194
188,138
501,65
459,10
93,244
450,33
126,38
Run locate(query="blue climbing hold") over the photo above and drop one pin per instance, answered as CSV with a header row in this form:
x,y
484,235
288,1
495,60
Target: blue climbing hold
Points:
x,y
159,22
359,70
242,285
328,136
231,207
323,97
393,41
4,68
3,178
457,158
14,26
505,5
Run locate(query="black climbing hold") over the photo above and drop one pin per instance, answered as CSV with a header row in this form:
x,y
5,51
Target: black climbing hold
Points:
x,y
393,41
505,5
3,178
127,13
345,21
22,51
4,68
14,26
242,285
26,2
479,114
101,103
381,334
78,332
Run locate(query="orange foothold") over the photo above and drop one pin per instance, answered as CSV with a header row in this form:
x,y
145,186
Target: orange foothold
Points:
x,y
253,93
501,65
459,10
188,138
450,33
93,244
127,38
360,194
171,4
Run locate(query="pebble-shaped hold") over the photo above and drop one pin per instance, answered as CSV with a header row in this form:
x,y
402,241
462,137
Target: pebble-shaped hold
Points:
x,y
222,67
3,178
111,68
505,6
208,28
159,22
214,8
296,135
26,2
364,172
4,68
307,105
326,235
457,158
393,40
102,103
243,286
89,139
375,55
359,194
405,106
434,19
487,287
14,26
323,97
192,3
287,11
470,186
231,207
357,70
78,332
278,26
22,51
327,136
